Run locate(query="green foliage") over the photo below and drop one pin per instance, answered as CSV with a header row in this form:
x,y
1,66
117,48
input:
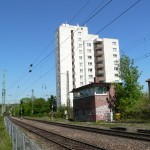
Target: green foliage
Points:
x,y
129,93
61,111
5,141
41,107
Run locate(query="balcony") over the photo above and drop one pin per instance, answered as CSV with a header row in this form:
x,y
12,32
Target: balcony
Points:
x,y
73,66
100,79
99,59
98,46
100,72
99,65
73,59
98,53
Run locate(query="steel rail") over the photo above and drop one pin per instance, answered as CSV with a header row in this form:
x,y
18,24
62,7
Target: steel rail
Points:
x,y
112,132
65,142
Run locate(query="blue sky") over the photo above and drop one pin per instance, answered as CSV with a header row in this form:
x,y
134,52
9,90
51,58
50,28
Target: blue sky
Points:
x,y
27,37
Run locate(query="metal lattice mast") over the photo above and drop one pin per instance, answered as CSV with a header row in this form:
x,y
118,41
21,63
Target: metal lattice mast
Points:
x,y
3,94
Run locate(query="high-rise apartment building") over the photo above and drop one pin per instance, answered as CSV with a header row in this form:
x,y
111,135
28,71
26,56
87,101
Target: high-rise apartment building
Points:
x,y
106,53
80,57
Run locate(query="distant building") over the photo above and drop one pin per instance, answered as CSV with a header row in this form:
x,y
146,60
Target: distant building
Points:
x,y
80,57
90,102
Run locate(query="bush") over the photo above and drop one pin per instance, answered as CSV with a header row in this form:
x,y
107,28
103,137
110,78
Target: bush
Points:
x,y
5,141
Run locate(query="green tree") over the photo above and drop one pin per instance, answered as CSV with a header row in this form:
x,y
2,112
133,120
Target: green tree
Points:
x,y
130,91
26,104
39,106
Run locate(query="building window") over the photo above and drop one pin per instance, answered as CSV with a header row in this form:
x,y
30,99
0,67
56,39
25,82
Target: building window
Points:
x,y
80,45
114,55
81,77
79,33
116,80
90,63
81,70
81,64
89,70
116,62
89,50
79,39
89,57
114,49
80,57
89,44
90,76
80,51
114,43
115,68
101,90
116,75
81,83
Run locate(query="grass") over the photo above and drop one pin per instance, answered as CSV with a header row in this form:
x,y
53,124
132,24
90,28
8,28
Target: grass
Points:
x,y
5,141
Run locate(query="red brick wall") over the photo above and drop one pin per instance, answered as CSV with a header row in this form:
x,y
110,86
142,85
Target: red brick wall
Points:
x,y
101,107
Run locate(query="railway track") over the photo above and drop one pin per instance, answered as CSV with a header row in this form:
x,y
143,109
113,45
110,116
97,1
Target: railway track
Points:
x,y
62,141
130,135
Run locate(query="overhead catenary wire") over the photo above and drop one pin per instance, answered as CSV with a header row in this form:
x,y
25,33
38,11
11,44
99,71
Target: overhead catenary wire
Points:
x,y
82,25
88,19
100,30
25,73
78,12
137,43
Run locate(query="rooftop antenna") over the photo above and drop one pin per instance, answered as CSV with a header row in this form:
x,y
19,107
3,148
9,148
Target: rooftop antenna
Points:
x,y
66,22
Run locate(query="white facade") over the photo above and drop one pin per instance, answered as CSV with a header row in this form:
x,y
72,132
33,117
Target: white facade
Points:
x,y
107,59
75,60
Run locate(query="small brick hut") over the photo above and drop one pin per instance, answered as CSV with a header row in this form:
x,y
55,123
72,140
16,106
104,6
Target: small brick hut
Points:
x,y
90,102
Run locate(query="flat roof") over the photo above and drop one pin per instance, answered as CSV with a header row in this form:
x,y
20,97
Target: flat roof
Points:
x,y
91,85
148,80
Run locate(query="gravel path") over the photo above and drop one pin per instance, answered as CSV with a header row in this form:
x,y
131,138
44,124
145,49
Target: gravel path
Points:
x,y
105,141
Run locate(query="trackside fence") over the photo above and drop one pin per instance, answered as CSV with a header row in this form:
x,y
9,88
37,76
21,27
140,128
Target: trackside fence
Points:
x,y
20,140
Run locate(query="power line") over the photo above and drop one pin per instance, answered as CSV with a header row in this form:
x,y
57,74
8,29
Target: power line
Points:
x,y
83,24
75,30
112,21
142,57
118,16
78,12
92,14
26,72
81,9
136,43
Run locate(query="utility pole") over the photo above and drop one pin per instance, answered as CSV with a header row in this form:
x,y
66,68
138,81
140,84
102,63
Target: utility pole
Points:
x,y
52,106
3,94
32,98
67,86
68,97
